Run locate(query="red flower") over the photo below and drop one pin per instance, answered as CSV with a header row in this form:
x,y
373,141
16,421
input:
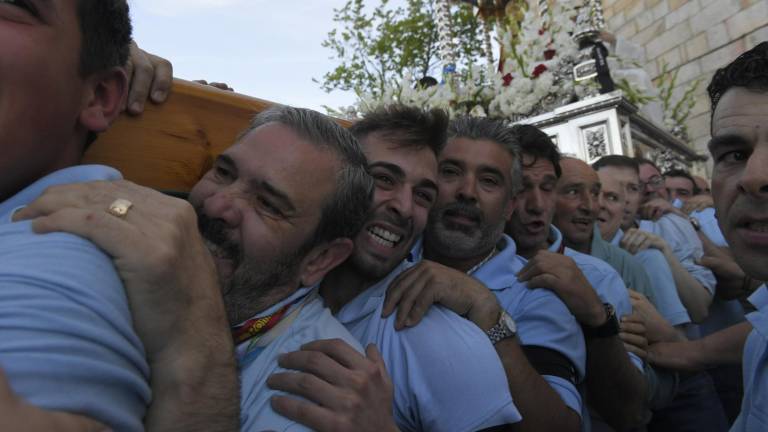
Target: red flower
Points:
x,y
549,54
541,31
507,79
540,69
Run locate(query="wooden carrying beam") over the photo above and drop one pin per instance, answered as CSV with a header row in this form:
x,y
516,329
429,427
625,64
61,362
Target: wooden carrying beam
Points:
x,y
172,145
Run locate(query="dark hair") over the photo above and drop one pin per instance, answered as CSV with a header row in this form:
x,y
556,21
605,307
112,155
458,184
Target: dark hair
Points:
x,y
616,161
749,70
644,161
684,174
345,212
496,130
405,126
105,26
534,142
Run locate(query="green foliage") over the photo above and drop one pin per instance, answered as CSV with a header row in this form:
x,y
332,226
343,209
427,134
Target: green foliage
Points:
x,y
379,46
636,97
676,110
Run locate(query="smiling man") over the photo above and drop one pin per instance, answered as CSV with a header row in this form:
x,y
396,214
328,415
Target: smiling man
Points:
x,y
445,371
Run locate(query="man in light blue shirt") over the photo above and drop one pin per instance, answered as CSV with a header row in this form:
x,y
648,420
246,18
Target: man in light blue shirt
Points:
x,y
66,338
478,176
445,372
613,204
739,149
65,319
252,254
660,217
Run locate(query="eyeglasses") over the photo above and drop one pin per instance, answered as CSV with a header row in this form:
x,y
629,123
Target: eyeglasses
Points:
x,y
655,182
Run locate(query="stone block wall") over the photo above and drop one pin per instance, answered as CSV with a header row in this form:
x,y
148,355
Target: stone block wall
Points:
x,y
695,37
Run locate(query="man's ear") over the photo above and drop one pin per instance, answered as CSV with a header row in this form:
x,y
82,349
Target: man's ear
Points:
x,y
103,99
324,258
509,208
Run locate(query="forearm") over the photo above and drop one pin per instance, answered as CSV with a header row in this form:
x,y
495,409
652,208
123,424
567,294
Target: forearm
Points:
x,y
616,388
195,385
541,407
694,296
723,347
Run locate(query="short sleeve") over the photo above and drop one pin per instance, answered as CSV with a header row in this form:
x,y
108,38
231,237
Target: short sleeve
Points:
x,y
448,375
66,336
665,296
687,247
544,321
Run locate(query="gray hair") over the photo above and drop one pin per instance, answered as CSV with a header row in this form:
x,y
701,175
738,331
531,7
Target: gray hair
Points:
x,y
496,130
345,212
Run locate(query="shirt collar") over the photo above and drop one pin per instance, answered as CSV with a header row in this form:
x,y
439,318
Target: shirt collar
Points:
x,y
557,238
299,293
500,272
759,318
617,237
75,174
368,301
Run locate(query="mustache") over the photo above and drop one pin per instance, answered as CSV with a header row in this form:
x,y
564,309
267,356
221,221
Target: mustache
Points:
x,y
215,232
462,209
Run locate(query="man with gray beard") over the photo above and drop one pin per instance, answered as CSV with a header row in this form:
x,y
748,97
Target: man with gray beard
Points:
x,y
272,235
470,265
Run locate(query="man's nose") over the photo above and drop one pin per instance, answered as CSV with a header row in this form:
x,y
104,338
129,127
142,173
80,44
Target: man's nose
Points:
x,y
754,180
224,205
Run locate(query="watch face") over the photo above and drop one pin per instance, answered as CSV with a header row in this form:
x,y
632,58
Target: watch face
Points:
x,y
509,322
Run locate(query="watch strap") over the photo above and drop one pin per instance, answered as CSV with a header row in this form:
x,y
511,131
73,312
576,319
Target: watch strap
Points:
x,y
607,329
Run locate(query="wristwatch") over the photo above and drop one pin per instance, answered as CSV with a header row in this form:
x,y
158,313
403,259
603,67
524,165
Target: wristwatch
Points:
x,y
607,329
695,223
505,328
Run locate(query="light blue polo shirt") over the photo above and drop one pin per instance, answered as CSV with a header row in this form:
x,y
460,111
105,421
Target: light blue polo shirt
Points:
x,y
754,406
446,374
542,318
710,226
312,321
66,337
606,281
722,313
665,296
685,245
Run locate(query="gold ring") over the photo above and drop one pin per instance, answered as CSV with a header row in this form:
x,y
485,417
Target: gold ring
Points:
x,y
119,208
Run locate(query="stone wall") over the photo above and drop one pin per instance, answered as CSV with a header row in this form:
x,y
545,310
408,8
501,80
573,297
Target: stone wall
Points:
x,y
695,36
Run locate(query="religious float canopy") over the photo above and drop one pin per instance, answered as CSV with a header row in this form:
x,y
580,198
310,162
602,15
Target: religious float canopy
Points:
x,y
554,70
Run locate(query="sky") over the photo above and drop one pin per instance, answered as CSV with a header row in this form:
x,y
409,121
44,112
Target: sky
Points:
x,y
266,49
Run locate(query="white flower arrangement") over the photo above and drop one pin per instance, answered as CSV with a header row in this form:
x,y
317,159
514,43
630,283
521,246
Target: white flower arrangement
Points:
x,y
536,75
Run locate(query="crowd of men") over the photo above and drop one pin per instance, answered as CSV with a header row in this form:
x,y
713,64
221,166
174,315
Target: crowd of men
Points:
x,y
413,273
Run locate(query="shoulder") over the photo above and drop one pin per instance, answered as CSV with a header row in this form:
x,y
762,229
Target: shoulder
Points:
x,y
316,322
60,264
65,321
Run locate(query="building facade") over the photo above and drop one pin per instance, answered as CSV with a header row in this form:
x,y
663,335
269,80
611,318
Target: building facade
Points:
x,y
693,37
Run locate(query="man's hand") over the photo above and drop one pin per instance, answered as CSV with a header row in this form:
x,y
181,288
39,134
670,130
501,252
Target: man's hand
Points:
x,y
697,203
150,78
17,415
633,334
559,273
636,240
157,250
656,208
218,85
732,282
345,390
414,291
657,329
173,292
